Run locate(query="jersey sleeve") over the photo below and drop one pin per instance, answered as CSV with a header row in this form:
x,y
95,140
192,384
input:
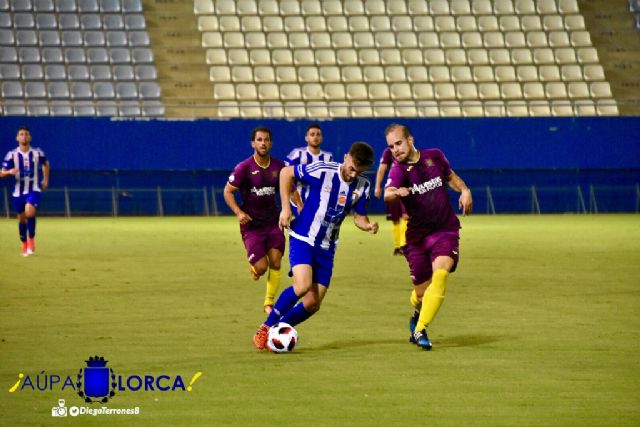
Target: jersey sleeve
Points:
x,y
396,177
7,163
361,205
236,178
309,173
442,160
43,157
293,158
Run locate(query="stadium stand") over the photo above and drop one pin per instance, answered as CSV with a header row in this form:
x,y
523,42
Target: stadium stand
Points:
x,y
278,59
376,55
77,57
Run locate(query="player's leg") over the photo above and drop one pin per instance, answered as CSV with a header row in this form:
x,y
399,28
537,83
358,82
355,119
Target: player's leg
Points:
x,y
273,278
309,305
19,206
300,258
256,252
322,272
30,213
394,213
443,248
276,245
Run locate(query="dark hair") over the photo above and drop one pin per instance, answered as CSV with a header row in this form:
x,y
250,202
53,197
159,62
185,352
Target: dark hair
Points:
x,y
314,126
394,126
24,128
362,154
260,129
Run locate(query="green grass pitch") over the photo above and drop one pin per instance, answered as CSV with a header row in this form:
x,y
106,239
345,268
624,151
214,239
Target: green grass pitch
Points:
x,y
540,326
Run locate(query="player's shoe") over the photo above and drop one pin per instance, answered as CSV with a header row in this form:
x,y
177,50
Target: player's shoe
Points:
x,y
31,245
421,339
25,249
268,308
260,338
254,274
397,251
413,321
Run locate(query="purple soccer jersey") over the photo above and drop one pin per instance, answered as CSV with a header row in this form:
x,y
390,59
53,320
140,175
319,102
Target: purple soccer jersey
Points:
x,y
259,189
427,204
387,157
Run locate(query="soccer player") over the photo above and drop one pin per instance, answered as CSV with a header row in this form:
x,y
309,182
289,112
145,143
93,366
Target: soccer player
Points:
x,y
335,189
418,179
257,178
395,210
31,168
303,156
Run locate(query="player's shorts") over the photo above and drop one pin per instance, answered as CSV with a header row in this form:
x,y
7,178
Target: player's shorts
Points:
x,y
21,201
320,260
395,211
258,241
421,255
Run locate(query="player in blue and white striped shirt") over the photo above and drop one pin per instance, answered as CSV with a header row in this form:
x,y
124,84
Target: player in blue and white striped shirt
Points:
x,y
335,189
304,156
29,165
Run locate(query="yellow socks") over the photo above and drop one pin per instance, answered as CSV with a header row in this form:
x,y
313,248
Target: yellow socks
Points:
x,y
403,232
396,232
433,298
414,299
273,284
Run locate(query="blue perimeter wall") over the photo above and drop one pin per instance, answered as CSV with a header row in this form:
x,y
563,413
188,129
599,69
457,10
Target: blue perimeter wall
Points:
x,y
477,144
502,152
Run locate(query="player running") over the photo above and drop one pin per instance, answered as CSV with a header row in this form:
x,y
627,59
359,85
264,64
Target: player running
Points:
x,y
257,178
335,189
31,168
418,179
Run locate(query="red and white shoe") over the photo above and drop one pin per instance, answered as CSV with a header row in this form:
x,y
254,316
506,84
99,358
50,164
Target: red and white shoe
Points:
x,y
31,245
25,249
260,338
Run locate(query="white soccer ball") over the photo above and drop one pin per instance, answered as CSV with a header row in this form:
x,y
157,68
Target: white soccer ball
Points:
x,y
282,338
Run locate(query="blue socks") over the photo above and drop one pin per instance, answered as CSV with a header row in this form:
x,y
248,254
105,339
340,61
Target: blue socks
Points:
x,y
296,315
31,226
285,302
22,229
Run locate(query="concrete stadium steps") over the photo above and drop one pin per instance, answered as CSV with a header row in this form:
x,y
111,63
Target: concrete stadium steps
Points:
x,y
618,43
179,57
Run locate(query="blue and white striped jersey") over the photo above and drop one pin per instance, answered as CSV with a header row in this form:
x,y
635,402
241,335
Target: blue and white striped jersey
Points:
x,y
329,201
29,165
302,156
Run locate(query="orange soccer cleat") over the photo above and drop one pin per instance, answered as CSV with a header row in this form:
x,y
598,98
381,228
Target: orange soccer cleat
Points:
x,y
260,338
25,249
31,245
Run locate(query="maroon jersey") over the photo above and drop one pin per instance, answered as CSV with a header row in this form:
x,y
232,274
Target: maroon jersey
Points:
x,y
259,189
387,157
427,204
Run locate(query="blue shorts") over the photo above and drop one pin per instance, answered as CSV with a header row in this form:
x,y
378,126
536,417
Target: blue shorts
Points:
x,y
320,260
20,202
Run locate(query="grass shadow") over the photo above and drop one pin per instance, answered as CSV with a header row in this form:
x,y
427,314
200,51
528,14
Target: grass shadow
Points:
x,y
443,342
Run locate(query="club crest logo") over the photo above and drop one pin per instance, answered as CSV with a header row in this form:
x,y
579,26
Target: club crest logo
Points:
x,y
96,382
428,162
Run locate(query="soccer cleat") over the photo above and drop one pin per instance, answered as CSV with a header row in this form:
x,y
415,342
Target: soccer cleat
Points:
x,y
421,339
31,245
260,338
397,251
268,308
413,321
25,249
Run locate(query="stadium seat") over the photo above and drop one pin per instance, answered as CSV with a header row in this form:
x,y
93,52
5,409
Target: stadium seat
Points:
x,y
32,72
12,89
58,90
9,71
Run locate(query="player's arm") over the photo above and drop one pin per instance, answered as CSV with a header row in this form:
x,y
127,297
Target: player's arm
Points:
x,y
231,201
363,223
382,170
7,172
296,199
391,194
46,169
287,179
8,168
465,203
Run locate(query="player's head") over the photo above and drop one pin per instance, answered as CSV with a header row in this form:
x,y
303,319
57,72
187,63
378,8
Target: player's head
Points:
x,y
261,140
24,135
313,135
359,158
399,141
